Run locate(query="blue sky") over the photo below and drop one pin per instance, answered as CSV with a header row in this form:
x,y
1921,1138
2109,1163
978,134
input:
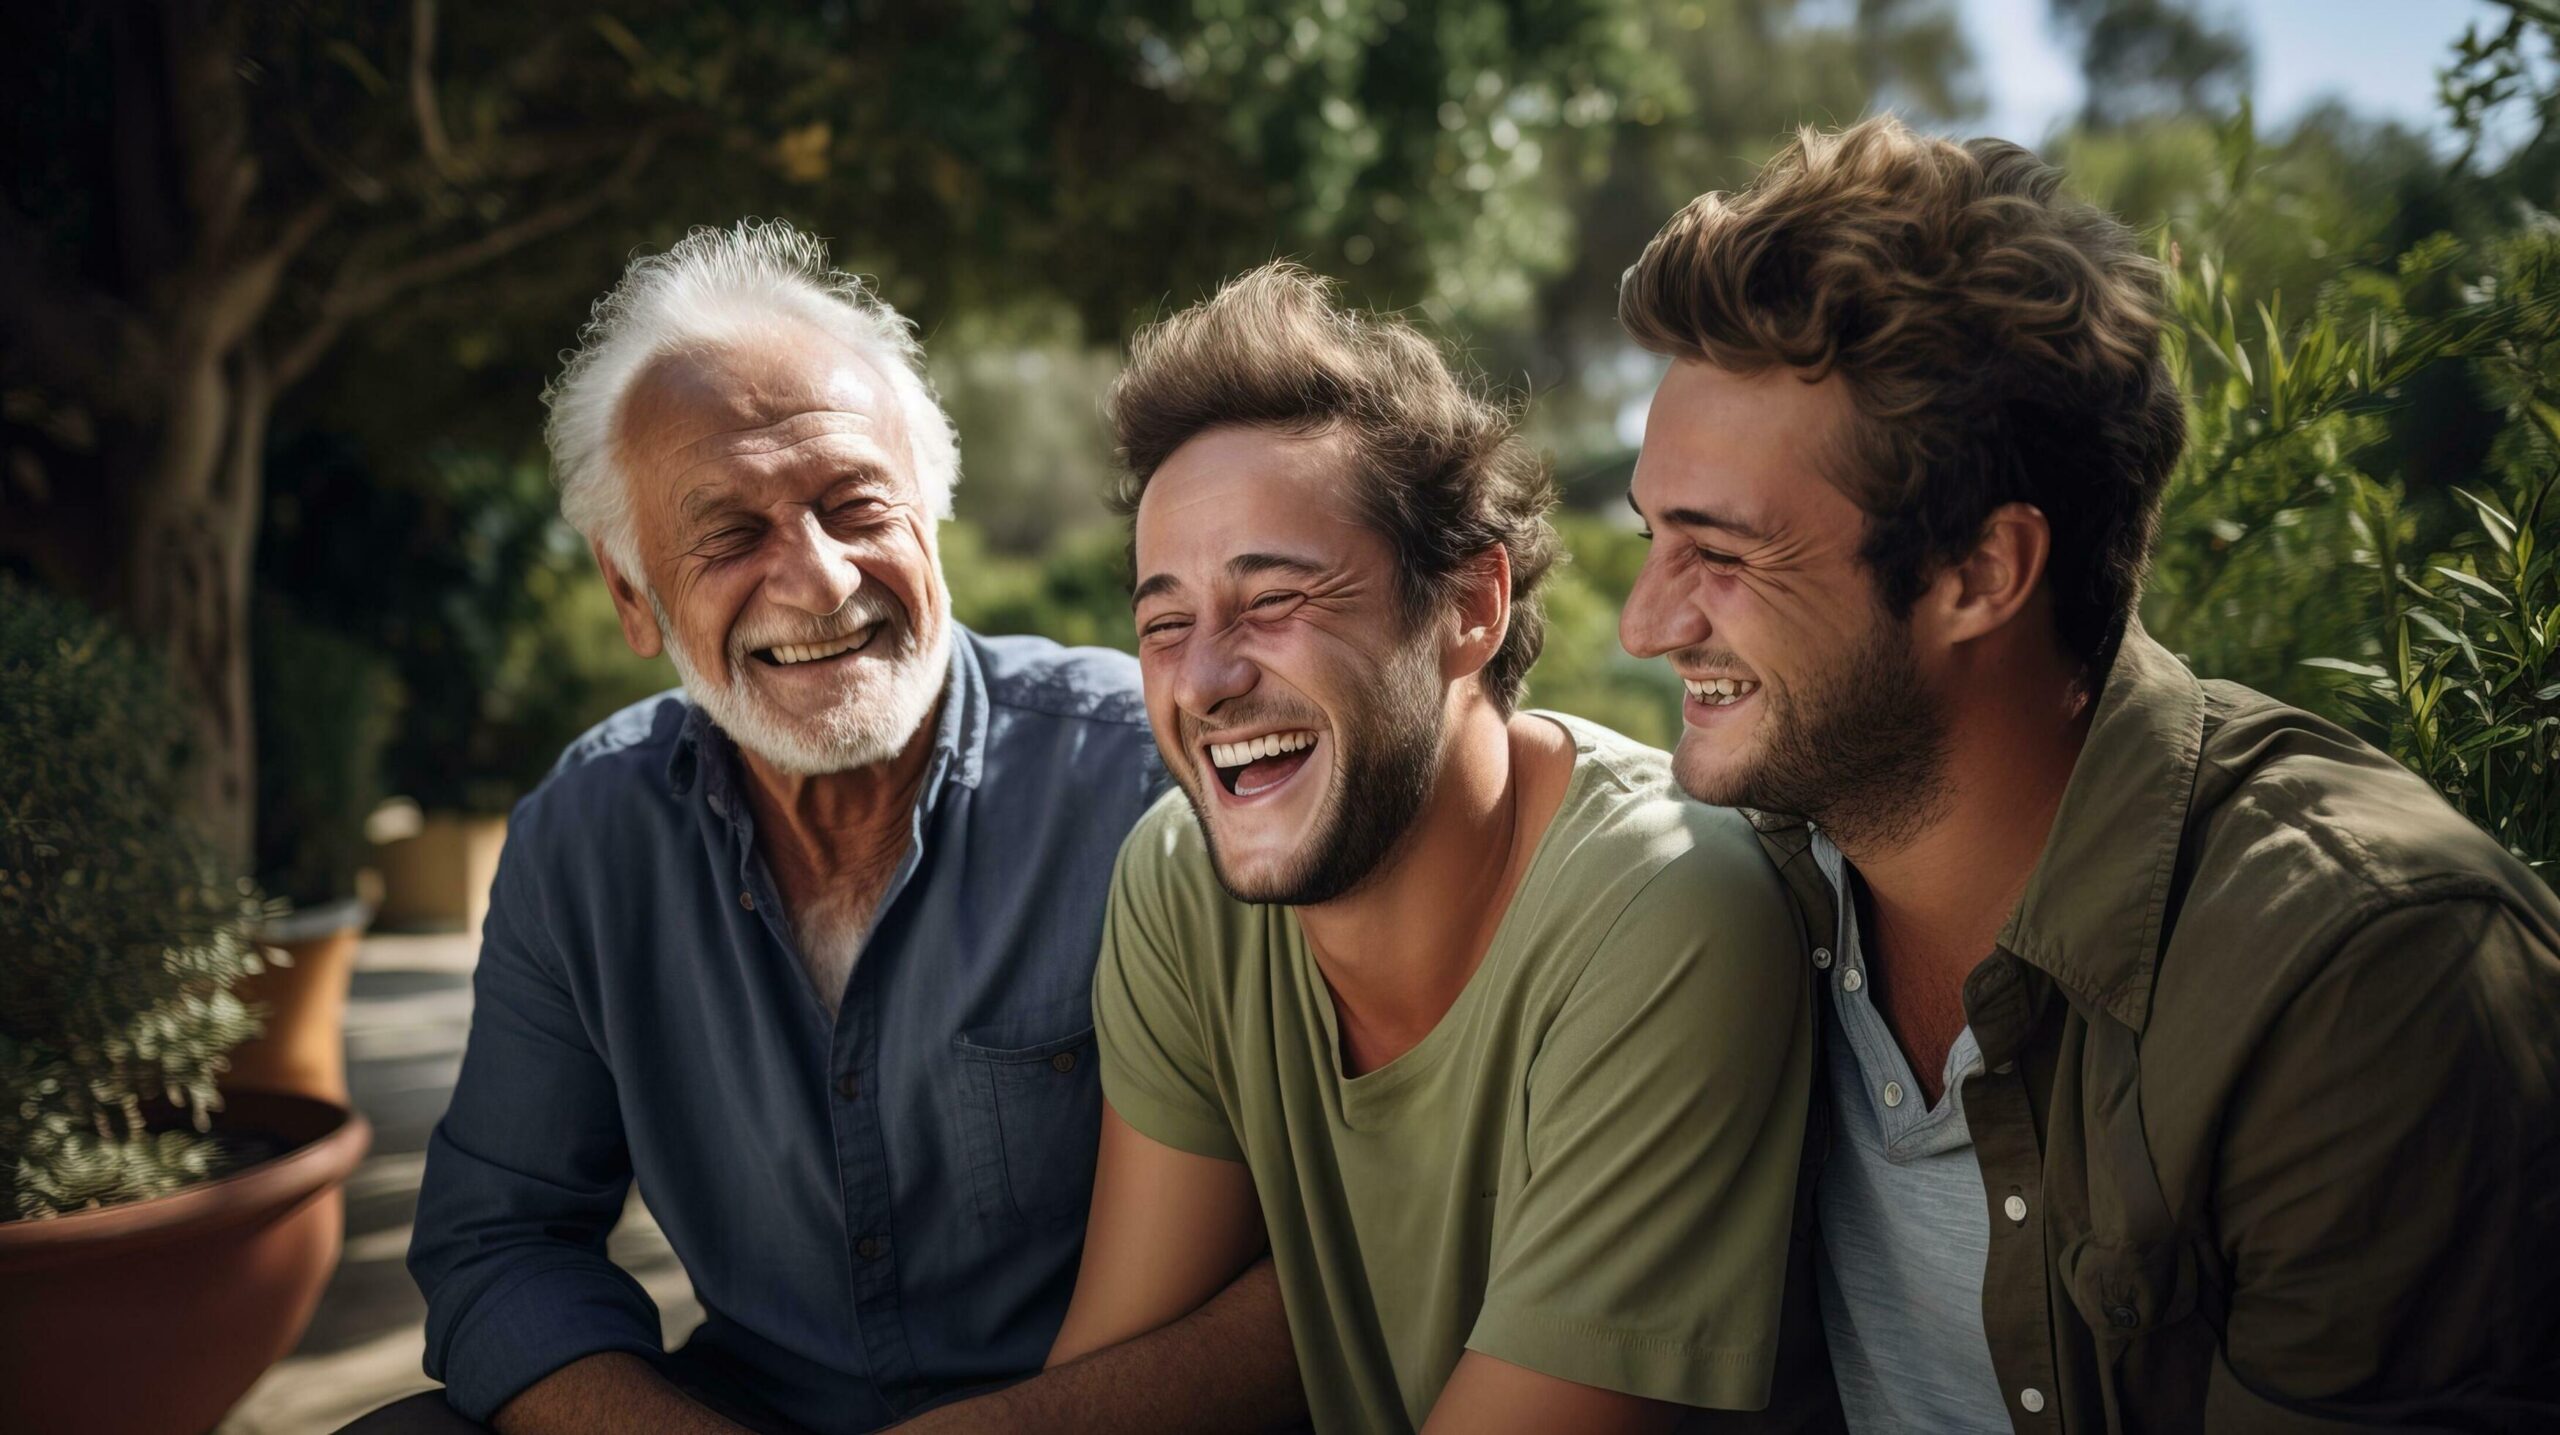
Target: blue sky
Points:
x,y
2382,55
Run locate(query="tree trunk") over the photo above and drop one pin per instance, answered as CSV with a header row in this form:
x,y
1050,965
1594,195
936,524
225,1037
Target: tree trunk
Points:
x,y
193,486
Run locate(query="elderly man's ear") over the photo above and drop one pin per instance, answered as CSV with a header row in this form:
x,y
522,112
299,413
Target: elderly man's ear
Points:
x,y
639,624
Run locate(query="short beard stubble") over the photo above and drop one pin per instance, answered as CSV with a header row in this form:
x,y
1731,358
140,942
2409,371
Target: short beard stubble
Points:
x,y
1386,756
1861,749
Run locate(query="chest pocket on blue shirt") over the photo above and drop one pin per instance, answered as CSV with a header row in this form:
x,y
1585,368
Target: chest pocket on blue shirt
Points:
x,y
1032,1119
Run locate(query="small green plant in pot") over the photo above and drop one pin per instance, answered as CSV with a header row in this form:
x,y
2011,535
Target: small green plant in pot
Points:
x,y
325,708
124,938
139,1196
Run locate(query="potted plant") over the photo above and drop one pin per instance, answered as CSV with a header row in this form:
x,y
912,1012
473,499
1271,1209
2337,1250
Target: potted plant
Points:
x,y
146,1219
325,706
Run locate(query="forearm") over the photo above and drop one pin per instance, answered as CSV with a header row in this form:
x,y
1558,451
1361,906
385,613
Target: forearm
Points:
x,y
1226,1366
608,1394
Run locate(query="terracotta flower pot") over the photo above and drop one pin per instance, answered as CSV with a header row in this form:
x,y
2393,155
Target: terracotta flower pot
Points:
x,y
437,880
154,1318
304,1048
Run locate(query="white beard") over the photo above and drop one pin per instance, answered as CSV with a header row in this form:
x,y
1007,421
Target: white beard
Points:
x,y
887,698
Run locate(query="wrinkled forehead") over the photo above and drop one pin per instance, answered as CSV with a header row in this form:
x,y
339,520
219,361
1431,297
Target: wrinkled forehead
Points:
x,y
758,403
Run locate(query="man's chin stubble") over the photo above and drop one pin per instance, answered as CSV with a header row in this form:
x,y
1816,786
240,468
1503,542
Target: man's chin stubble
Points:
x,y
1869,818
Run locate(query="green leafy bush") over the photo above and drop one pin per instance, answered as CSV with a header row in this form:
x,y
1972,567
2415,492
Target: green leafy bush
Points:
x,y
326,705
2469,688
2296,557
120,938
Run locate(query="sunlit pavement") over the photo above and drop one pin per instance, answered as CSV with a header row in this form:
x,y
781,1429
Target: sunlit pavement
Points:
x,y
406,1018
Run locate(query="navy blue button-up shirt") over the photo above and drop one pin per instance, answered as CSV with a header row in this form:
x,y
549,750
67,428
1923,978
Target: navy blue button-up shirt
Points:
x,y
876,1208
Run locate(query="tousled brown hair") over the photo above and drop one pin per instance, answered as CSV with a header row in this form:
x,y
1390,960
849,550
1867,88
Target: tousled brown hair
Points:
x,y
1999,341
1441,471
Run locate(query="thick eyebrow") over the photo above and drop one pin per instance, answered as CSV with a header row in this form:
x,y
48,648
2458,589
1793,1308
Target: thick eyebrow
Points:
x,y
1243,565
1705,518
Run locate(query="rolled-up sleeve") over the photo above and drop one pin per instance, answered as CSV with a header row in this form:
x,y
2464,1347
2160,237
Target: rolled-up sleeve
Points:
x,y
525,1177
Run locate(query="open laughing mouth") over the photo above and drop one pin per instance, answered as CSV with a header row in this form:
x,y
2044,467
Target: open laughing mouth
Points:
x,y
812,657
1258,766
1709,697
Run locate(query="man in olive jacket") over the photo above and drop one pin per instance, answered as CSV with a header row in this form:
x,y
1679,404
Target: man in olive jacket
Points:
x,y
2190,1064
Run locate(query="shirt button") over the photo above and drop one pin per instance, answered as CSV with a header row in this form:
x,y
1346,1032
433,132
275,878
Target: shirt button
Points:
x,y
869,1249
2031,1400
747,900
1893,1093
1822,957
2016,1209
848,1086
1063,1061
1850,980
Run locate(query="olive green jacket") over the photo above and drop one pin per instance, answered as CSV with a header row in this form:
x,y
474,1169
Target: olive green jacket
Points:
x,y
2269,1119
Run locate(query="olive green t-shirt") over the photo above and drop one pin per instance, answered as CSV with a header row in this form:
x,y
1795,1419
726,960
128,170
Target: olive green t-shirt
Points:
x,y
1587,1168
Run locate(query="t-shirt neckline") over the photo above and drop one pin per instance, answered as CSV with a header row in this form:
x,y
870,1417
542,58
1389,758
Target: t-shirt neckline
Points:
x,y
1372,1087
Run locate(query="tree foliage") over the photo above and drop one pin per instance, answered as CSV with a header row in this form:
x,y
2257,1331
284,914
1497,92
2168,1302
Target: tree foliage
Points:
x,y
2299,556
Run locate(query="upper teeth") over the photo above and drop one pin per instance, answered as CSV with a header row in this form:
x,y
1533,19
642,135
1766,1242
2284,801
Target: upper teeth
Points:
x,y
1719,691
811,652
1237,754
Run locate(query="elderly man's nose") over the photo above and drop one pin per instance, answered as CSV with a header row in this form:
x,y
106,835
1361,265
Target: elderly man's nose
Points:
x,y
812,571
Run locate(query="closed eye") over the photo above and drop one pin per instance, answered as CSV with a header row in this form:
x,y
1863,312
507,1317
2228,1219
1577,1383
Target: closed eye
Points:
x,y
726,541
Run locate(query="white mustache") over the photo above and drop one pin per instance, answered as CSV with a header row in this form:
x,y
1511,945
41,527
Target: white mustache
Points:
x,y
860,611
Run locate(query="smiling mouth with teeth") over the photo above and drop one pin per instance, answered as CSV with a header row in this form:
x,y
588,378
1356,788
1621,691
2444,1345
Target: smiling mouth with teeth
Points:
x,y
1259,764
1719,692
787,655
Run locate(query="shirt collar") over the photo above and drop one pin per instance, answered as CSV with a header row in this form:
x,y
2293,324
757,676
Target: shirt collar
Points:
x,y
704,754
2095,904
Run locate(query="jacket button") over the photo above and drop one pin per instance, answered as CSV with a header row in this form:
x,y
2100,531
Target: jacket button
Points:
x,y
868,1248
1063,1061
2031,1400
848,1086
747,900
1822,958
2123,1317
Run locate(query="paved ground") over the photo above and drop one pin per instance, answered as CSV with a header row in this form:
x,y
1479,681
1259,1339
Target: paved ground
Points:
x,y
406,1019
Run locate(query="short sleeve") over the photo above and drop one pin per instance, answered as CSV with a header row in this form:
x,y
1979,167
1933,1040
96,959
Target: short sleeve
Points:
x,y
1156,1071
1647,1251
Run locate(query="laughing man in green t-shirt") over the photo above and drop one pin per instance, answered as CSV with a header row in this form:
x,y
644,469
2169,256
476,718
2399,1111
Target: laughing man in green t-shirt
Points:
x,y
1498,1043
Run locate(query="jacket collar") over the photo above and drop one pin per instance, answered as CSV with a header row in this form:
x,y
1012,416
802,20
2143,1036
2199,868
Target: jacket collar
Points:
x,y
2095,905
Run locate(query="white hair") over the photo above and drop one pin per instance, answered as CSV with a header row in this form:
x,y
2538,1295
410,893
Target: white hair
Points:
x,y
716,287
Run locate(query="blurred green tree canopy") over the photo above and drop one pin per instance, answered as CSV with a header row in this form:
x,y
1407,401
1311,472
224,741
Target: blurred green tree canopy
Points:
x,y
388,217
279,286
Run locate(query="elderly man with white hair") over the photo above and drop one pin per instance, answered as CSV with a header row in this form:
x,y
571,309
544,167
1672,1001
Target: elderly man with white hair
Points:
x,y
806,948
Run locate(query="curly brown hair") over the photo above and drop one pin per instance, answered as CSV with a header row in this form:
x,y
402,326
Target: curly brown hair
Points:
x,y
1441,470
1998,338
